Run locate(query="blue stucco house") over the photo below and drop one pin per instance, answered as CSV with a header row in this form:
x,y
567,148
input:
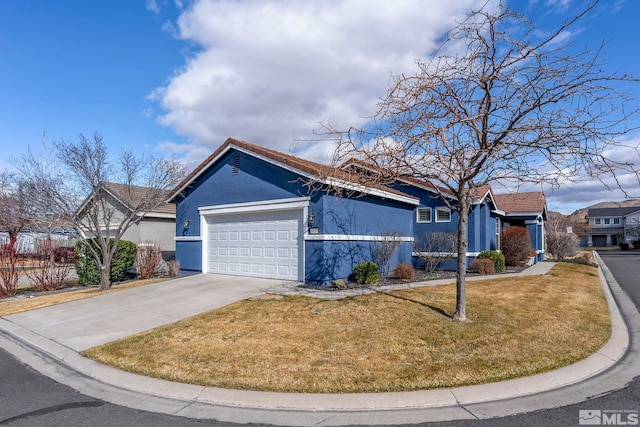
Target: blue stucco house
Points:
x,y
252,211
248,210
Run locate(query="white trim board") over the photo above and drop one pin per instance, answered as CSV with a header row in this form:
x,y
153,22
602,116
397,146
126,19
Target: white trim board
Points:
x,y
261,206
359,238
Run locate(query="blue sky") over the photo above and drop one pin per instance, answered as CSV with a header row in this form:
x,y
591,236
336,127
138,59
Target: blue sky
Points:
x,y
178,77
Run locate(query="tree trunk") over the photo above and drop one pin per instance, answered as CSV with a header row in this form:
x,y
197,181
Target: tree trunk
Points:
x,y
461,274
105,282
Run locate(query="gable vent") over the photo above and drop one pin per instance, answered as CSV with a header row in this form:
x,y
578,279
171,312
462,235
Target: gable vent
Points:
x,y
235,165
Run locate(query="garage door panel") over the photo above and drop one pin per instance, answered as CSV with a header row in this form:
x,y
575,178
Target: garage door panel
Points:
x,y
256,244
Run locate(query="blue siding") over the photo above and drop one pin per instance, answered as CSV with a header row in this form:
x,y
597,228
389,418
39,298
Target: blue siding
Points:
x,y
189,255
328,260
250,179
359,216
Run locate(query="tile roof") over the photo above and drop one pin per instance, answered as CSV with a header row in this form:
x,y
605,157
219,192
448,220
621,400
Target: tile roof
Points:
x,y
521,202
307,167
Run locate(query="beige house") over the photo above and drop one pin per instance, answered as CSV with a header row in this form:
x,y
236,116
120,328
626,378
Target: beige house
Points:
x,y
148,226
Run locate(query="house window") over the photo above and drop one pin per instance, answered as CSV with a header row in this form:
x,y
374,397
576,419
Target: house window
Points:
x,y
597,221
443,215
634,219
607,221
423,215
616,221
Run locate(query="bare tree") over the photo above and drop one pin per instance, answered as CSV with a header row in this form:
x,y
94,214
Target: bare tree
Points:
x,y
497,102
79,191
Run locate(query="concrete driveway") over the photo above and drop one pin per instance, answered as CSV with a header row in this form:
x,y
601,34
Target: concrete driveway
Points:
x,y
86,323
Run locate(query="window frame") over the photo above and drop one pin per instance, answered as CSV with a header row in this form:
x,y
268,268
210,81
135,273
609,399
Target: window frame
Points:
x,y
443,209
424,209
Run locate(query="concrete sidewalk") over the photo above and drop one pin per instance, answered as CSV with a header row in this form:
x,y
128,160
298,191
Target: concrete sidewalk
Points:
x,y
49,340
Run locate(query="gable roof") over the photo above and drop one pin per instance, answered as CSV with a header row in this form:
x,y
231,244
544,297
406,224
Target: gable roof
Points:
x,y
619,211
132,196
521,203
315,171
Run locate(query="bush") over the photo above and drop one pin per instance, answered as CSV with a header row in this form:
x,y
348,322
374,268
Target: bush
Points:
x,y
562,245
496,257
87,269
366,273
483,266
403,271
516,244
636,244
148,260
624,246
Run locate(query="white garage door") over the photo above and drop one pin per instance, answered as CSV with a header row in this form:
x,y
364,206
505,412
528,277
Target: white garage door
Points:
x,y
264,244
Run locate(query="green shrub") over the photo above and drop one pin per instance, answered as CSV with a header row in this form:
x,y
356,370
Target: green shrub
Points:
x,y
483,266
366,273
496,257
87,269
515,245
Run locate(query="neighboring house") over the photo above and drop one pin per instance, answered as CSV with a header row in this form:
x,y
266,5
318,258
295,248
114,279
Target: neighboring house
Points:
x,y
528,210
251,211
156,226
612,226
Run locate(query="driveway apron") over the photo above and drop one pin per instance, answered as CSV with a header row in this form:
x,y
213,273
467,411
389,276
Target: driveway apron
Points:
x,y
86,323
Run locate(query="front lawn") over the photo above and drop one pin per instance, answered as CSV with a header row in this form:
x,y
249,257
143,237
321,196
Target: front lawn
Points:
x,y
403,340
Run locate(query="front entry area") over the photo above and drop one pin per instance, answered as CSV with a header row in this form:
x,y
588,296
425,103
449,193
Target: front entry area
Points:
x,y
257,244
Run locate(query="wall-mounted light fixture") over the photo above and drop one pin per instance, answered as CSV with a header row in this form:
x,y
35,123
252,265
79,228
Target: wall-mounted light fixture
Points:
x,y
186,224
312,216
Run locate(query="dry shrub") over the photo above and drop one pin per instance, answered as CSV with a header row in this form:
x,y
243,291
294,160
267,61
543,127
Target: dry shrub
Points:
x,y
9,273
483,266
403,271
174,267
46,274
148,260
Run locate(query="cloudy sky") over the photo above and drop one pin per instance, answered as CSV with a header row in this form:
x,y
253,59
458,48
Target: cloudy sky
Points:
x,y
177,77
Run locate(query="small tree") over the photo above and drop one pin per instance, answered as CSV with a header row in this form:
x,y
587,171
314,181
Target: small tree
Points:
x,y
100,197
515,245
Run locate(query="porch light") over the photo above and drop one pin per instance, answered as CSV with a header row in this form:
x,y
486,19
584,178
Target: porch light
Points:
x,y
186,224
312,216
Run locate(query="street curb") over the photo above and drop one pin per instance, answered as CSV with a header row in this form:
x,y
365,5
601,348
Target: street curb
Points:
x,y
68,367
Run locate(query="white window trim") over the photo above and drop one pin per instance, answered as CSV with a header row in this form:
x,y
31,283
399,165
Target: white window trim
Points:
x,y
443,209
418,215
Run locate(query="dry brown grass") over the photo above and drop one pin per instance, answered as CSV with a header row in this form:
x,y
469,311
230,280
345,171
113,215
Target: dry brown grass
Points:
x,y
19,305
404,340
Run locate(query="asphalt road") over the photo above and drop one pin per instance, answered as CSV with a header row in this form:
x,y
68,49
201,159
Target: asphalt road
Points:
x,y
30,399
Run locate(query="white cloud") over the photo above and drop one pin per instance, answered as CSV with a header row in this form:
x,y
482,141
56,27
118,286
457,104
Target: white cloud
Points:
x,y
153,6
269,71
